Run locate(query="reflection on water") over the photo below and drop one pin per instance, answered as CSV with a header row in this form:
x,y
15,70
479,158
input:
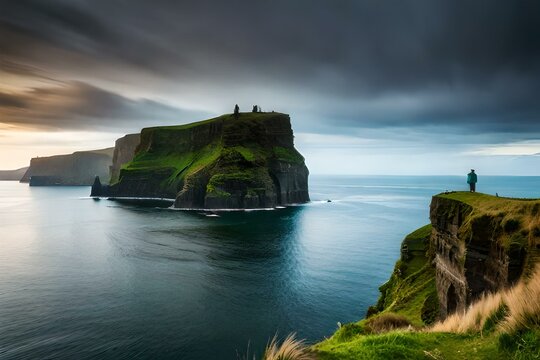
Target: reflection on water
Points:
x,y
98,279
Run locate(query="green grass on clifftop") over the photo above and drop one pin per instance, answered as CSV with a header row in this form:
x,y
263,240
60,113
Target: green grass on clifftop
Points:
x,y
514,223
410,291
171,152
487,202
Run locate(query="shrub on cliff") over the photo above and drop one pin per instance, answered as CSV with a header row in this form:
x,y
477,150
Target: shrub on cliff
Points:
x,y
387,322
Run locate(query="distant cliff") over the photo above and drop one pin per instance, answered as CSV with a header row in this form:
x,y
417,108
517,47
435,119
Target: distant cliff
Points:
x,y
13,175
225,162
79,168
124,152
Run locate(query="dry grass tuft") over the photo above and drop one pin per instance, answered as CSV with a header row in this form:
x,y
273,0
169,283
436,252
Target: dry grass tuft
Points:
x,y
523,303
289,349
387,322
520,307
474,318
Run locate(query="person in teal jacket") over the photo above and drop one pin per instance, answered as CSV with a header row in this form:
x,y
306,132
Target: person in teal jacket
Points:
x,y
472,179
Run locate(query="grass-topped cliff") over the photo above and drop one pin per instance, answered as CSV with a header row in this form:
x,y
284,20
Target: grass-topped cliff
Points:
x,y
247,161
78,168
473,241
513,222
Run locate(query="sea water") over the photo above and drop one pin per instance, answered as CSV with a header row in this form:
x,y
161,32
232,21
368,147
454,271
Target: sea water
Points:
x,y
81,278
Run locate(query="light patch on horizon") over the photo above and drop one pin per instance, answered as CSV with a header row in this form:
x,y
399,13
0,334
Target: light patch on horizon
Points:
x,y
19,146
511,149
329,140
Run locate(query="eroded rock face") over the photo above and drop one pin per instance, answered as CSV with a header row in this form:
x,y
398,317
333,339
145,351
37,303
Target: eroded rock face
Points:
x,y
124,151
470,255
446,218
228,162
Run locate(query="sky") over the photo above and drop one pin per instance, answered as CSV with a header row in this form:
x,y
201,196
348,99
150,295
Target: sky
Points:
x,y
422,87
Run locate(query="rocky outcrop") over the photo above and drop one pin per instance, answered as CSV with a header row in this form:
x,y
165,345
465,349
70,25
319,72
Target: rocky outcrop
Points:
x,y
124,151
79,168
480,245
247,161
12,175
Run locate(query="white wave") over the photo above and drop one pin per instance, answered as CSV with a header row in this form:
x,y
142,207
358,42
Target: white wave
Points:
x,y
135,198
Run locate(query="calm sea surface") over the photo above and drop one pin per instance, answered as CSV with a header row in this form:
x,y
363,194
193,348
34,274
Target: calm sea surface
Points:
x,y
95,279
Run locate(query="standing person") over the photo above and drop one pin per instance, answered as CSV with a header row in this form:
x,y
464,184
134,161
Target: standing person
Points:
x,y
236,111
472,179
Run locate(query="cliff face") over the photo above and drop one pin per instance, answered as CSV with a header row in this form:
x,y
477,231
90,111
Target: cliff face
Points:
x,y
475,244
13,175
225,162
79,168
481,244
124,152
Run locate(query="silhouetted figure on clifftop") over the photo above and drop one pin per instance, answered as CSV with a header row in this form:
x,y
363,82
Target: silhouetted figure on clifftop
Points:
x,y
236,111
472,179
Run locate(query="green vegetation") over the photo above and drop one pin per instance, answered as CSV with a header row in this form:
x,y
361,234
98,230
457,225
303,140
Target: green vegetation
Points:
x,y
216,152
288,155
247,154
410,345
503,325
408,301
499,326
411,289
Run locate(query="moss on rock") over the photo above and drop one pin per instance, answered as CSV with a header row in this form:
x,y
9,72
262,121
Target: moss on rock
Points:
x,y
225,162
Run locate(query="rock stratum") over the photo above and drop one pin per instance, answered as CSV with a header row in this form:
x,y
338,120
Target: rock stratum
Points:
x,y
481,244
226,162
79,168
124,152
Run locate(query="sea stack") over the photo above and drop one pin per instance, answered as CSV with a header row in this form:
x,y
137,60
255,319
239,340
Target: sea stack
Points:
x,y
228,162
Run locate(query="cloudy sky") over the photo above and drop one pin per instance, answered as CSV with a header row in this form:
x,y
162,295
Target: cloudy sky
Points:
x,y
372,87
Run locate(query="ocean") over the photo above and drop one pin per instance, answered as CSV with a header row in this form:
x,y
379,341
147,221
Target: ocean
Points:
x,y
81,278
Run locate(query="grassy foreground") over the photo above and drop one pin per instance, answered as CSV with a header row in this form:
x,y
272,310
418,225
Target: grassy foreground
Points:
x,y
504,325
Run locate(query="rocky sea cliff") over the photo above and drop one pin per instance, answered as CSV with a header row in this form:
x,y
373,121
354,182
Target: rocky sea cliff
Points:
x,y
228,162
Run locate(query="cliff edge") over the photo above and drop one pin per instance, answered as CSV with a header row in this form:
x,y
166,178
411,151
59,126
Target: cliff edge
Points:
x,y
124,152
226,162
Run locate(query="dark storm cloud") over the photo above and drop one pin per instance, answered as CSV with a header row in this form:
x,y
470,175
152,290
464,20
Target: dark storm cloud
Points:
x,y
464,64
77,105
